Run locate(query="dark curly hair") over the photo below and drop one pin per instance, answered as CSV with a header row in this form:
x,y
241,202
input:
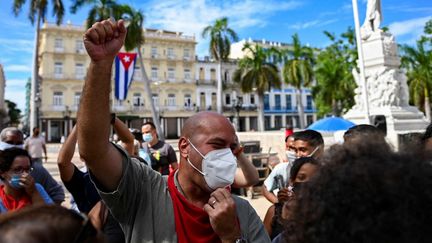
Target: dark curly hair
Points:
x,y
298,163
7,157
365,192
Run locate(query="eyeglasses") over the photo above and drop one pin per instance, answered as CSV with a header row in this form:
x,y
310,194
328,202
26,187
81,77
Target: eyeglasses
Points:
x,y
87,229
20,170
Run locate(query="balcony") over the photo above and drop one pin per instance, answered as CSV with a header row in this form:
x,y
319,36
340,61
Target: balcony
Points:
x,y
171,56
155,56
205,82
58,108
63,76
187,58
171,80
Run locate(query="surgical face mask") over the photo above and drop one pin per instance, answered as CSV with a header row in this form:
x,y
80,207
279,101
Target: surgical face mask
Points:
x,y
15,181
4,146
147,137
218,167
291,156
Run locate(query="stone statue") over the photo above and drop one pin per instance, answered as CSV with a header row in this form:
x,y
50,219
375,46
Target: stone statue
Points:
x,y
373,18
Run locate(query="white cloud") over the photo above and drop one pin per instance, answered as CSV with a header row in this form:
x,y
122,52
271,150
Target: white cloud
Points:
x,y
17,68
191,17
313,23
16,45
412,28
17,96
16,83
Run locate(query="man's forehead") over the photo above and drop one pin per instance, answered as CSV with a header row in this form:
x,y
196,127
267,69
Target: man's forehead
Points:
x,y
302,143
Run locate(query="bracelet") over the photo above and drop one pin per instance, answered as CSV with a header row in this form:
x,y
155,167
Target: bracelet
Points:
x,y
113,118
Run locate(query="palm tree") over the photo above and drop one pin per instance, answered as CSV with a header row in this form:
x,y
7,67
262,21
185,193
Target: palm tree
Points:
x,y
38,12
221,37
135,39
334,91
256,74
298,71
100,10
418,62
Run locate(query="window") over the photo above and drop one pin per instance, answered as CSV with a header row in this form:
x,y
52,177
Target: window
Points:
x,y
227,99
309,102
278,122
288,102
154,73
58,44
187,100
58,98
212,74
171,100
171,74
277,102
154,52
79,46
155,98
266,102
58,70
137,100
137,73
187,74
77,98
170,53
252,99
186,53
79,70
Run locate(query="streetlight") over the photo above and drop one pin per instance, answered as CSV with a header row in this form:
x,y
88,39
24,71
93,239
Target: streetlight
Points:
x,y
237,106
66,116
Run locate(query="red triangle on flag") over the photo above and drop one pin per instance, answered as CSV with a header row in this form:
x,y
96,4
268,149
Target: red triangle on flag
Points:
x,y
126,58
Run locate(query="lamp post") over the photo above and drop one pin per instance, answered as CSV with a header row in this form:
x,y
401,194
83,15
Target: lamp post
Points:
x,y
66,116
237,106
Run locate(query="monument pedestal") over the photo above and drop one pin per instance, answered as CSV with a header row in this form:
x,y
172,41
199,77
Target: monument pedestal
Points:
x,y
387,89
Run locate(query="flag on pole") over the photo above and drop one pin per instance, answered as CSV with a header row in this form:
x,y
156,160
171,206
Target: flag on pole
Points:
x,y
124,68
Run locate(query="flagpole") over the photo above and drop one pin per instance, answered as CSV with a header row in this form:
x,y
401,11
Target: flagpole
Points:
x,y
360,62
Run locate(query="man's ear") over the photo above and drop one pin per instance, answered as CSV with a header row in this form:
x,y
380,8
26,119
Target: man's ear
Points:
x,y
183,146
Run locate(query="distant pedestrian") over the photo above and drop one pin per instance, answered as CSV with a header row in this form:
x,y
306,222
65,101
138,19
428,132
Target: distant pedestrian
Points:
x,y
35,145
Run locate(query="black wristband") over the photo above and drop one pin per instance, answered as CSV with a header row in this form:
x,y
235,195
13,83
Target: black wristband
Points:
x,y
113,118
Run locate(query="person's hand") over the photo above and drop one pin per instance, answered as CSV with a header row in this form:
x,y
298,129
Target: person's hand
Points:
x,y
46,158
238,149
104,39
28,184
283,195
221,209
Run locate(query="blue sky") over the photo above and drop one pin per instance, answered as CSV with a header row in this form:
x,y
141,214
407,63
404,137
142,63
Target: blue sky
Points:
x,y
274,20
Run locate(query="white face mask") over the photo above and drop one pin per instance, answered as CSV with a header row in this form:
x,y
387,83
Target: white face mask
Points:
x,y
4,146
291,156
313,152
219,167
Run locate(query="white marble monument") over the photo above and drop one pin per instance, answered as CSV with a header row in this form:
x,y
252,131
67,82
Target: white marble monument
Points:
x,y
386,83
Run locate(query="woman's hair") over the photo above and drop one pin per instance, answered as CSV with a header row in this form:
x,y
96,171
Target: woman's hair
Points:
x,y
7,157
365,192
47,224
298,163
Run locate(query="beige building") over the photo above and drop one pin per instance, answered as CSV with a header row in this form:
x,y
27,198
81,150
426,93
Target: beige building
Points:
x,y
169,60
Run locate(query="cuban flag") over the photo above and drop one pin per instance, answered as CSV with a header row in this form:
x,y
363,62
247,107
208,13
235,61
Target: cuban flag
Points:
x,y
124,68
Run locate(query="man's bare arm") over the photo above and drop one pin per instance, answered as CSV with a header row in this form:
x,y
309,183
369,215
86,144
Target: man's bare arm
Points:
x,y
102,41
124,135
64,160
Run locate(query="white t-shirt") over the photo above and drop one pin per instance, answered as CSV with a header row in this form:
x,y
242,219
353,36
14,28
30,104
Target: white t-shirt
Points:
x,y
280,169
34,146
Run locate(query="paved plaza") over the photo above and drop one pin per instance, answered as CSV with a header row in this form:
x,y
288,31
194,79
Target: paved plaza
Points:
x,y
259,202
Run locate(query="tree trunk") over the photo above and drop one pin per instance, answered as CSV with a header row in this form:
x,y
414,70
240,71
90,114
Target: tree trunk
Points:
x,y
427,106
300,108
35,79
155,114
261,112
219,89
334,107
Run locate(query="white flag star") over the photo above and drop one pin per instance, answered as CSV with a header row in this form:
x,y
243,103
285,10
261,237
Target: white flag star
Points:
x,y
126,59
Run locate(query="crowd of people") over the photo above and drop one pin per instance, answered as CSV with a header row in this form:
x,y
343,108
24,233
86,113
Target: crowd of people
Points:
x,y
136,189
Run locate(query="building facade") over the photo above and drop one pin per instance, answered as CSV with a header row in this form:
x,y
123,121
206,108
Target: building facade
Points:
x,y
280,105
4,117
169,61
240,108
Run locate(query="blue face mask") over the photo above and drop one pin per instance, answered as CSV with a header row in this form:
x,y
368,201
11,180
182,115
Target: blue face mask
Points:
x,y
147,137
15,182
